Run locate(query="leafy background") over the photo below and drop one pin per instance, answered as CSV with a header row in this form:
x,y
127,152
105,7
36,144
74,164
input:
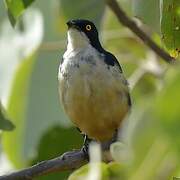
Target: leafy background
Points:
x,y
32,122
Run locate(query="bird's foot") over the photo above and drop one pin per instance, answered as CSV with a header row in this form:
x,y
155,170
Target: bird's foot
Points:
x,y
85,147
85,150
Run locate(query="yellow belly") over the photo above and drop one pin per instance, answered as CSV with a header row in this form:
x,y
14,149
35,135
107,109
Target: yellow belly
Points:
x,y
96,107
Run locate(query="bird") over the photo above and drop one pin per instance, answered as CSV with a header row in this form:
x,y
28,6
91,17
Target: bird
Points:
x,y
92,87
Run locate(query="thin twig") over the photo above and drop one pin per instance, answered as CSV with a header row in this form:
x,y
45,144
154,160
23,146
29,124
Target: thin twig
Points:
x,y
126,21
68,161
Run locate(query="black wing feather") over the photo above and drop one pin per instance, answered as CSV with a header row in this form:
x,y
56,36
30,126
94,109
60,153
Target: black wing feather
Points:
x,y
111,60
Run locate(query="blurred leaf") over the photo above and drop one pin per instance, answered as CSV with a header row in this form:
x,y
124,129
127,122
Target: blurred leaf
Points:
x,y
111,171
167,105
2,12
151,154
86,9
15,46
52,144
117,171
85,171
17,105
15,9
170,25
121,153
5,124
17,111
148,12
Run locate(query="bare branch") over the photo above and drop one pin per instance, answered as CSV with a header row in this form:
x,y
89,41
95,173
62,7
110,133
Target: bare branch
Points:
x,y
126,21
68,161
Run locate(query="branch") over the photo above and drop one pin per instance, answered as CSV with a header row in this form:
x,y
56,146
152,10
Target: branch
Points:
x,y
126,21
68,161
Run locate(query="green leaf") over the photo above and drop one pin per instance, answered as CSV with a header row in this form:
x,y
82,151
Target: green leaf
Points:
x,y
167,105
109,171
87,9
117,171
16,110
149,140
15,9
148,12
5,124
22,62
85,171
153,134
52,144
170,25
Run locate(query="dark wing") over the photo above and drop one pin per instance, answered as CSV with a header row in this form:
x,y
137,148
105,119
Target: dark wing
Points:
x,y
111,60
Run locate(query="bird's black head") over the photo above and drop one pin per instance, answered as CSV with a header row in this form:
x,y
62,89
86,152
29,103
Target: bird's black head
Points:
x,y
88,28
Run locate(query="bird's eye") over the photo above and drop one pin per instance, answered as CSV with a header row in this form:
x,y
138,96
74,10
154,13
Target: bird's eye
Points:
x,y
88,27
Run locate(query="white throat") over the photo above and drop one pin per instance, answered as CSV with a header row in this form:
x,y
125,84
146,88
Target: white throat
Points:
x,y
77,40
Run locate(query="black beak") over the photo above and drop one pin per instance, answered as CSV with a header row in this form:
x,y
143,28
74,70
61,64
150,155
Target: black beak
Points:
x,y
71,23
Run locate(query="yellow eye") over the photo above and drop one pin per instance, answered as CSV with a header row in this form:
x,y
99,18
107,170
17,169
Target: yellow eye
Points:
x,y
88,27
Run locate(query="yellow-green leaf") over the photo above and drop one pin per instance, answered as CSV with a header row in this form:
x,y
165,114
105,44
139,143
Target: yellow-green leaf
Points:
x,y
21,56
87,171
170,25
15,8
16,111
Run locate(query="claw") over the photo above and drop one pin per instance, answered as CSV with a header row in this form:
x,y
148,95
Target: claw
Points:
x,y
85,150
85,147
